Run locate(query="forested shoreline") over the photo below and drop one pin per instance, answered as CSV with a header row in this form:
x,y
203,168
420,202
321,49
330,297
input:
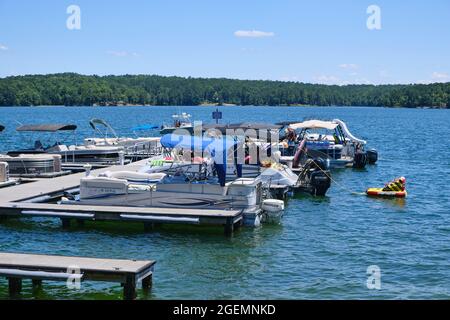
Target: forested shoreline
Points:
x,y
72,89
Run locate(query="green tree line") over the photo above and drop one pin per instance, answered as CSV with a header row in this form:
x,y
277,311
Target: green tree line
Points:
x,y
72,89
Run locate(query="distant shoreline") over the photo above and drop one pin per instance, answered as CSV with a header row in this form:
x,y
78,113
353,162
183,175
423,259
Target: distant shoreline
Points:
x,y
71,89
222,106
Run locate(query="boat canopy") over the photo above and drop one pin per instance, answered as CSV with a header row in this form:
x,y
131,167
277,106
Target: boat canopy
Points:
x,y
2,128
243,125
173,141
314,124
47,127
287,123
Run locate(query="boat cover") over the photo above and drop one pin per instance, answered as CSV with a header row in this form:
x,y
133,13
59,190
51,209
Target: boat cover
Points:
x,y
47,127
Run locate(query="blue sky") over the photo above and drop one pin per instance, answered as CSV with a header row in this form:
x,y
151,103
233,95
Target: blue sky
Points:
x,y
310,41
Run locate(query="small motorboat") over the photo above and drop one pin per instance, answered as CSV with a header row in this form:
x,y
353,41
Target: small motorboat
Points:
x,y
28,165
329,140
394,189
181,121
70,154
138,147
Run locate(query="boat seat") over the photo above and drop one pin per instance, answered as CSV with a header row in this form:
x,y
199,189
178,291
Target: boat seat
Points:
x,y
135,176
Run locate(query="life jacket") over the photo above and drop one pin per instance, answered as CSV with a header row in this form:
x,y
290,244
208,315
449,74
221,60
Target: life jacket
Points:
x,y
395,185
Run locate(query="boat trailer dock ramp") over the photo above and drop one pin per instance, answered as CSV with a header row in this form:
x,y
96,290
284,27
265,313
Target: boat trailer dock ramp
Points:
x,y
27,200
73,270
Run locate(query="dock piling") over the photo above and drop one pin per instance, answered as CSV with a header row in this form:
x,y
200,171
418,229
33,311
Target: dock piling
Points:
x,y
129,288
65,223
15,286
229,227
37,283
147,283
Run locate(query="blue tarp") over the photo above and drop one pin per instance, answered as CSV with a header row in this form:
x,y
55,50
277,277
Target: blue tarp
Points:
x,y
196,143
146,127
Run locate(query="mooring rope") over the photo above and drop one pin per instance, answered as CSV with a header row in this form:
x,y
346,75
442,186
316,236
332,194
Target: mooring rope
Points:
x,y
341,186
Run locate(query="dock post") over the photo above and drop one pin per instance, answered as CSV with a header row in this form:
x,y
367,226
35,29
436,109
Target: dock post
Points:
x,y
229,227
15,286
129,288
148,226
147,282
36,283
80,222
238,225
65,223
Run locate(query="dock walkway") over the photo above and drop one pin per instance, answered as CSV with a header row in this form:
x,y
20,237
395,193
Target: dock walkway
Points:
x,y
23,201
17,266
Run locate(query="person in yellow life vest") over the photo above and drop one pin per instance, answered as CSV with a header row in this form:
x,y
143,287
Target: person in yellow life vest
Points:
x,y
398,184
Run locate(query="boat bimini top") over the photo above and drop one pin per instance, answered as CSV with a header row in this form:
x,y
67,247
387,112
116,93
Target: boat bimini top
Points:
x,y
46,127
335,124
95,123
314,124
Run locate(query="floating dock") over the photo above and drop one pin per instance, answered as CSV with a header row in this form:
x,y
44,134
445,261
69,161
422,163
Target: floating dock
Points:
x,y
17,266
27,200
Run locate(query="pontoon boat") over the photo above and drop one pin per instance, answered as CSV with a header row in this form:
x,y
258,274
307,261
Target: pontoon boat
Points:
x,y
72,154
184,184
328,140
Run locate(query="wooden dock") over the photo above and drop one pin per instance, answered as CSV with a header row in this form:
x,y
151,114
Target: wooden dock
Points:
x,y
42,187
16,267
24,200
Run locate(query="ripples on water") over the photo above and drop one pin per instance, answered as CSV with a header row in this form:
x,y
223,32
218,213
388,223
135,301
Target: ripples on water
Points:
x,y
323,246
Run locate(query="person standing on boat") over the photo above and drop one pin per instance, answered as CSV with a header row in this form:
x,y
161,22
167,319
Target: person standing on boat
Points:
x,y
292,139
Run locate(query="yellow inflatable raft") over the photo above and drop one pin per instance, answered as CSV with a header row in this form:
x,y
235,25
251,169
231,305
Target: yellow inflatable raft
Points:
x,y
378,192
396,188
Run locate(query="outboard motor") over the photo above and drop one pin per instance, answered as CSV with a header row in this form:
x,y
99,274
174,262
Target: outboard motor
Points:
x,y
360,159
316,177
320,182
372,156
322,163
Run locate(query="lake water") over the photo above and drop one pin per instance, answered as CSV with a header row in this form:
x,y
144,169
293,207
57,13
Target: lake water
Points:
x,y
323,246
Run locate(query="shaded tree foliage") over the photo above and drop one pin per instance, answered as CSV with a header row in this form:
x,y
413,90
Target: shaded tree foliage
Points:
x,y
72,89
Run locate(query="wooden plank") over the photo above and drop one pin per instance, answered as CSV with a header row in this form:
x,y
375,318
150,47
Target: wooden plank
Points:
x,y
49,262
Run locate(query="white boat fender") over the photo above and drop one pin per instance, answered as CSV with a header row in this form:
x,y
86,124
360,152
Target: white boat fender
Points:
x,y
273,205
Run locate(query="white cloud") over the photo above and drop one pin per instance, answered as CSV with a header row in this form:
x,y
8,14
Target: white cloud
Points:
x,y
324,79
3,47
440,76
348,66
122,53
253,34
